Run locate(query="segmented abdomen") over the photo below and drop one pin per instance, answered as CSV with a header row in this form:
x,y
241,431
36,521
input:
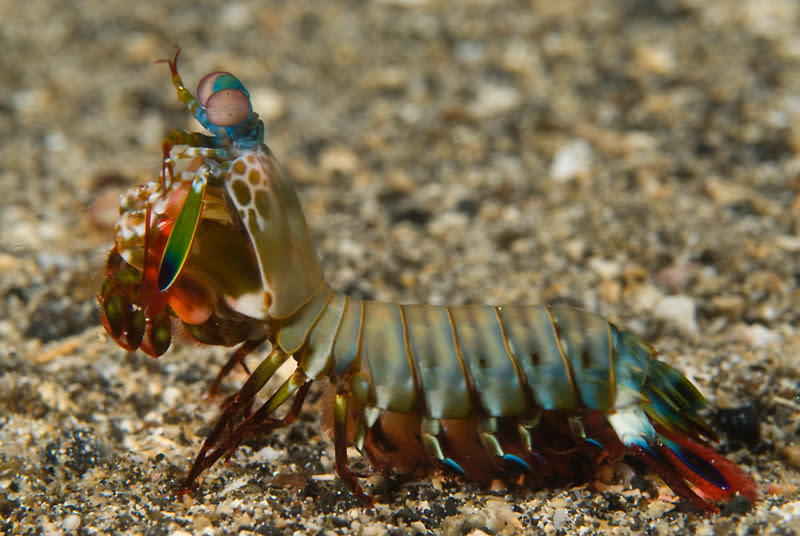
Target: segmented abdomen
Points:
x,y
449,362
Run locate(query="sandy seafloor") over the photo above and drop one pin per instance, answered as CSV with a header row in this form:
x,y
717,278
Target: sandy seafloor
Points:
x,y
639,159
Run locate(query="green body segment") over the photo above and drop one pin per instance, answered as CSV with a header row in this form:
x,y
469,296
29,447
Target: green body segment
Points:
x,y
292,336
384,357
586,342
448,362
532,339
435,357
316,361
483,348
633,360
348,339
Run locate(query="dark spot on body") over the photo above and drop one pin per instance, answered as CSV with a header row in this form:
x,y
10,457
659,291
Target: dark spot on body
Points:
x,y
241,191
586,359
239,167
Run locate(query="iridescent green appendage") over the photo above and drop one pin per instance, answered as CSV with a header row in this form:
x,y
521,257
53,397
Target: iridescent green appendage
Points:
x,y
182,236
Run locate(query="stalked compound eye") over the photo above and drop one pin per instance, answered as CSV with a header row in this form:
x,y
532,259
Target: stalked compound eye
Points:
x,y
226,100
208,85
227,107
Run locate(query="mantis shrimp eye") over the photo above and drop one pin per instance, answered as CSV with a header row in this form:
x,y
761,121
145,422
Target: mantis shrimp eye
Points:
x,y
226,100
227,107
206,85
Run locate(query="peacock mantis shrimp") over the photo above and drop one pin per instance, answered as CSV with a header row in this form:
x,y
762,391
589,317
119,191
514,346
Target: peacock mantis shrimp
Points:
x,y
223,250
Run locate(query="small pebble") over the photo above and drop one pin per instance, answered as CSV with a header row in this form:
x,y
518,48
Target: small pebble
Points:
x,y
494,100
605,268
71,522
338,160
646,298
658,59
756,335
791,454
172,396
726,192
267,454
788,511
270,103
679,310
235,16
572,160
788,243
575,248
675,278
560,519
729,304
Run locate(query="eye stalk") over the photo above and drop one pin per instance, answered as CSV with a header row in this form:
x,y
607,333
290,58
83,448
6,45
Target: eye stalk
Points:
x,y
225,99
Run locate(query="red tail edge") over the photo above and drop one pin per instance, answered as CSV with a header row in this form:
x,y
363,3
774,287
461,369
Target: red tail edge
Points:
x,y
689,482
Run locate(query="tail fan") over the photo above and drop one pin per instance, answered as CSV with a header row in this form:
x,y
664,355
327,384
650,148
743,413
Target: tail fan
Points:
x,y
674,403
694,471
666,431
